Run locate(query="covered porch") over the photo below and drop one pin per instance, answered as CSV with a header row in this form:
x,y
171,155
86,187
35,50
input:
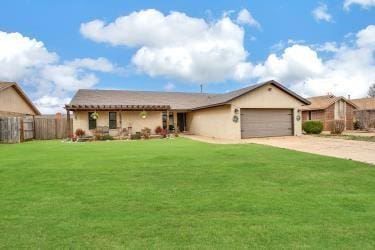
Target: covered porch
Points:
x,y
121,121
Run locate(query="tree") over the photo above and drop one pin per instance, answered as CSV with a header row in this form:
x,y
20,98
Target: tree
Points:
x,y
371,90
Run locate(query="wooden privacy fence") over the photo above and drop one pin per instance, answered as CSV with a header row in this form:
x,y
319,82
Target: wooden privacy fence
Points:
x,y
18,129
28,128
10,129
51,128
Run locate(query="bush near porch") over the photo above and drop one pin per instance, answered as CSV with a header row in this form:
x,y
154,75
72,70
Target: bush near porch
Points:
x,y
312,127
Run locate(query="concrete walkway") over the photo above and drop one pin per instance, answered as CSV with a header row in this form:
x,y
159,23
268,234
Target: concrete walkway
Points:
x,y
347,149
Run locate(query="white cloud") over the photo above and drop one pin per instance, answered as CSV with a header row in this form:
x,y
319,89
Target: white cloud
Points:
x,y
363,3
366,37
295,64
244,17
192,49
20,56
169,86
175,45
100,64
320,13
27,61
50,104
350,70
243,71
327,47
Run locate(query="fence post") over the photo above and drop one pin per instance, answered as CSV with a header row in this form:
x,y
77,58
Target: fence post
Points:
x,y
22,134
68,124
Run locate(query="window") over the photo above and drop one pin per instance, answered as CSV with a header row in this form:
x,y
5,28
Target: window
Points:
x,y
92,122
112,120
164,119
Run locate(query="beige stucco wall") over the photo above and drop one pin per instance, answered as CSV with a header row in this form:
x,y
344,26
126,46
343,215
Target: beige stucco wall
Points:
x,y
212,122
154,119
218,121
12,102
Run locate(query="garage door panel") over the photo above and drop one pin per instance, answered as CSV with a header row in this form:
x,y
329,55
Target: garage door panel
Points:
x,y
266,122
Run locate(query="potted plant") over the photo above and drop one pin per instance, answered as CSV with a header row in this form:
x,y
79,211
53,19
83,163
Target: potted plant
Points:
x,y
164,133
146,132
158,130
80,132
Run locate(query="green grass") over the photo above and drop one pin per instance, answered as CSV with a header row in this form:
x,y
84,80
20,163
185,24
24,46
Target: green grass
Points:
x,y
349,137
167,194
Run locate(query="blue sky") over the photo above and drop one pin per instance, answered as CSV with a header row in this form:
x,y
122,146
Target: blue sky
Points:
x,y
283,40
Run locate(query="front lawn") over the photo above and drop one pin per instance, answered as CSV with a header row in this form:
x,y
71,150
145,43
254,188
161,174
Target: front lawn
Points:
x,y
180,193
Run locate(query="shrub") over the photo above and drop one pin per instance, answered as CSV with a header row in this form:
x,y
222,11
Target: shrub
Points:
x,y
136,136
107,138
158,130
337,127
164,133
312,127
357,125
80,132
371,123
146,133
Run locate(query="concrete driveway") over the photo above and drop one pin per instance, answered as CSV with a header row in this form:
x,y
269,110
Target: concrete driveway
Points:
x,y
347,149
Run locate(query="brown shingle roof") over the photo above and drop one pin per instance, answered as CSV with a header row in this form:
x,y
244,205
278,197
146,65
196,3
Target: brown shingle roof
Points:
x,y
172,100
5,85
365,103
323,102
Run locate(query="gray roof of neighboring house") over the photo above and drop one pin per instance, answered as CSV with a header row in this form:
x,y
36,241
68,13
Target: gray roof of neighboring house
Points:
x,y
86,98
5,85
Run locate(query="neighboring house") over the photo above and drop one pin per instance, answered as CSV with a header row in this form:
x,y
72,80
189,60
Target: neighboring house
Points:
x,y
365,113
266,109
14,102
328,108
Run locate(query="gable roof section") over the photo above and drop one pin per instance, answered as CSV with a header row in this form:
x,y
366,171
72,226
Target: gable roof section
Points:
x,y
227,97
173,100
323,102
5,85
365,103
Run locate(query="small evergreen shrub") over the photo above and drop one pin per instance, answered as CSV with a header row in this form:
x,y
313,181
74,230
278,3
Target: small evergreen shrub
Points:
x,y
312,127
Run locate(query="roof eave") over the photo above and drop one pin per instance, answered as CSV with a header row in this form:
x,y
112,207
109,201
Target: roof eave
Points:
x,y
280,86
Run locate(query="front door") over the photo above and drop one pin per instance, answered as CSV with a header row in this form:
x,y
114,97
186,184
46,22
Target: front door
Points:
x,y
181,122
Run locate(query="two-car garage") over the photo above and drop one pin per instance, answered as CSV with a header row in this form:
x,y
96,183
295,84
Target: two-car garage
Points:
x,y
266,122
264,110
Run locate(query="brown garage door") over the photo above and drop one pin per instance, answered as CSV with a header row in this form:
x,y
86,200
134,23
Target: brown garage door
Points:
x,y
266,122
